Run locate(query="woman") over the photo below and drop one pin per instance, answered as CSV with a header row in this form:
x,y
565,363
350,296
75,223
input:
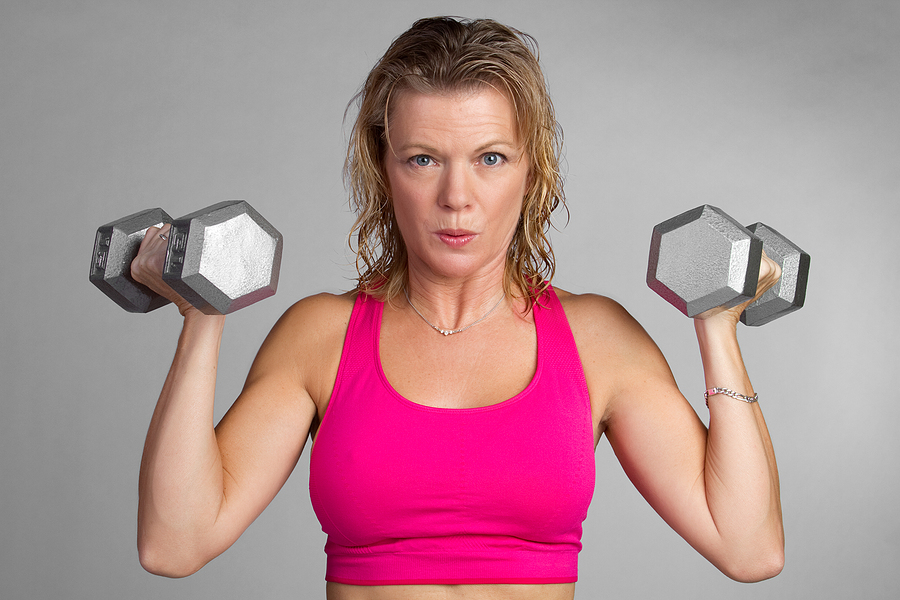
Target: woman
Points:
x,y
455,398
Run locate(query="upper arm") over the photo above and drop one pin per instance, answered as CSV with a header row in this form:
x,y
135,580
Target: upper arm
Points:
x,y
653,430
262,435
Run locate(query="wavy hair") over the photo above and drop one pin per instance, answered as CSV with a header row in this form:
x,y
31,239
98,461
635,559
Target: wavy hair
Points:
x,y
443,55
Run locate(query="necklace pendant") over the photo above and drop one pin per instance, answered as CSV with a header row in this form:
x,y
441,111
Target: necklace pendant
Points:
x,y
446,332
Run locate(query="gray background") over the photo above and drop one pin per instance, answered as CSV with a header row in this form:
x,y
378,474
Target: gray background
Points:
x,y
782,112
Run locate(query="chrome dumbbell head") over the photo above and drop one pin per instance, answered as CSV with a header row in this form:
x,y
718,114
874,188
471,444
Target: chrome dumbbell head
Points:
x,y
702,259
223,257
789,293
115,246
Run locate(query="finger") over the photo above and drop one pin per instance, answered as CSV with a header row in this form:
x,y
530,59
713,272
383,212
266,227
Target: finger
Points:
x,y
155,235
149,258
769,269
769,274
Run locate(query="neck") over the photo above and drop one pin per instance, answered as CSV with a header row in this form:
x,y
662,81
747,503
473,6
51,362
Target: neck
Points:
x,y
454,305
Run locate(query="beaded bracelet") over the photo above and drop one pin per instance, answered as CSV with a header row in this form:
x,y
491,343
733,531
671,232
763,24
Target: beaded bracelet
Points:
x,y
727,392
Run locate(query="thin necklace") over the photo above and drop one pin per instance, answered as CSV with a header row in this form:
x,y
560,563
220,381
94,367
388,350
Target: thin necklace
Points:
x,y
452,331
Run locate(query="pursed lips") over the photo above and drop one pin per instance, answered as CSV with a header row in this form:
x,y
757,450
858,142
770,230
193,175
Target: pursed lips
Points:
x,y
455,238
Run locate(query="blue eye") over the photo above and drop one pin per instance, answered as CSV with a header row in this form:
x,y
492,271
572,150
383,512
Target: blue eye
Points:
x,y
422,160
491,159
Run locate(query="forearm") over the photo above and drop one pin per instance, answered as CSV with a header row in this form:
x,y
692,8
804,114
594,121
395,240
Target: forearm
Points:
x,y
741,476
181,478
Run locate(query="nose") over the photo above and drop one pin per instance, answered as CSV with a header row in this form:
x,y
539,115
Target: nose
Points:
x,y
456,192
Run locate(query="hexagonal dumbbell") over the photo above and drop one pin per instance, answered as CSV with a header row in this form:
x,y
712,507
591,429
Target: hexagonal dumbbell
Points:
x,y
220,259
115,246
703,259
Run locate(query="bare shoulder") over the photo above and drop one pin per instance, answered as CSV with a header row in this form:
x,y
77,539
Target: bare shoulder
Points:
x,y
317,316
598,320
615,350
306,343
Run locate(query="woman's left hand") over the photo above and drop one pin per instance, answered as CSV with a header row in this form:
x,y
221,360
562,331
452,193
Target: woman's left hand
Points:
x,y
769,273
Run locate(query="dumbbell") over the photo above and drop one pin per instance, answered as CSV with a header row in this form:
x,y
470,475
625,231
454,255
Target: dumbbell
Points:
x,y
703,258
220,259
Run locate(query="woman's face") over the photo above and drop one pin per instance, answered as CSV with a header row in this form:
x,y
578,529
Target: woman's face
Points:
x,y
458,175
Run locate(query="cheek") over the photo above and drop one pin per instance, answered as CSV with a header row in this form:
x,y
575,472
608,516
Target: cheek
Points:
x,y
407,203
517,200
396,193
508,220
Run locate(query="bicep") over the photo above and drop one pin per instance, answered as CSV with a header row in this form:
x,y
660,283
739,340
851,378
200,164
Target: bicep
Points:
x,y
264,432
260,441
661,444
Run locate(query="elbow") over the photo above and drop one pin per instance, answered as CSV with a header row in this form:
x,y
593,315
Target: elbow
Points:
x,y
762,567
166,562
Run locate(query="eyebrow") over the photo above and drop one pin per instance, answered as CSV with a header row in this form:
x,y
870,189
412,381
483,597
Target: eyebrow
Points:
x,y
432,150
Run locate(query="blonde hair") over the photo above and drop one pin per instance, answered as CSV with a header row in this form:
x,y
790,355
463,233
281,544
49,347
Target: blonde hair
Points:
x,y
442,55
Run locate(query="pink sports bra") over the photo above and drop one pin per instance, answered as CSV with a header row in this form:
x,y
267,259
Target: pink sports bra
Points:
x,y
411,494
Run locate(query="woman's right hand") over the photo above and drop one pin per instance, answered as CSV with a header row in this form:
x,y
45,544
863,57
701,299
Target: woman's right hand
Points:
x,y
147,267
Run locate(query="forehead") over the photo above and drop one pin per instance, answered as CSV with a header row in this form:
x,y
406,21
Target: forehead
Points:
x,y
473,114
